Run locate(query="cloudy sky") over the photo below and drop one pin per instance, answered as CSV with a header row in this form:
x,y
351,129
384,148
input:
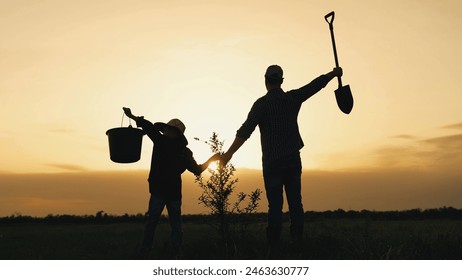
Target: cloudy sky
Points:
x,y
68,67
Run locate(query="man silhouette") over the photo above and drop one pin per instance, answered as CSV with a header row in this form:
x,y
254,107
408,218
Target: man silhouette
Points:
x,y
276,115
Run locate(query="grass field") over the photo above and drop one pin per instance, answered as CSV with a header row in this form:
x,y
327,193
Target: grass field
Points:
x,y
324,239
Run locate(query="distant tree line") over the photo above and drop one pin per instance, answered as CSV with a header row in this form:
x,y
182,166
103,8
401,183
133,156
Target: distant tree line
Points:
x,y
101,217
412,214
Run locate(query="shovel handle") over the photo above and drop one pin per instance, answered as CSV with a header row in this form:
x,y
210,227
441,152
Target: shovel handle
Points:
x,y
330,15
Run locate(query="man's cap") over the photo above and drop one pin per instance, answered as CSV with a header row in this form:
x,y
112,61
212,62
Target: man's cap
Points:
x,y
176,123
274,72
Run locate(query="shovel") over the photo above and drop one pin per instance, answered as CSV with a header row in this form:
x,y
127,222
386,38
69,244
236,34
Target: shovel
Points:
x,y
343,93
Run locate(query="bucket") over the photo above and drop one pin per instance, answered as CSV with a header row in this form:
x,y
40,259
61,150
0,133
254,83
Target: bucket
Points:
x,y
125,144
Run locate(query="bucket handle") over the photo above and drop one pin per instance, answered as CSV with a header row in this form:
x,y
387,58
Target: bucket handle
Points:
x,y
122,121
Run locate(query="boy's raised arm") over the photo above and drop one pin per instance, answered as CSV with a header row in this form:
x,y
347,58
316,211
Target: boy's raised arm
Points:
x,y
152,130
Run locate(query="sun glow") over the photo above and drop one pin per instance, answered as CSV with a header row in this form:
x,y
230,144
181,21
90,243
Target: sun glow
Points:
x,y
213,166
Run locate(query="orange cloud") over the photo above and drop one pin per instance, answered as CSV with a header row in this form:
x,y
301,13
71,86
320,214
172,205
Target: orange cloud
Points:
x,y
68,167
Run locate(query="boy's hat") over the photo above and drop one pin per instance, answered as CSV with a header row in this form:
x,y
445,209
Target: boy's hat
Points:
x,y
176,123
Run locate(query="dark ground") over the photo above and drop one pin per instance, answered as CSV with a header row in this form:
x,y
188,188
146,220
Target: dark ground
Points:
x,y
337,235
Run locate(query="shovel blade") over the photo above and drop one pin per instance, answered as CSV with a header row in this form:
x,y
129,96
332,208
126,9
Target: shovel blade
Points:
x,y
344,99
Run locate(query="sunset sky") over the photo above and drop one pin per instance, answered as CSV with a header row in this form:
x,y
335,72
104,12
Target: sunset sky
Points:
x,y
68,67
